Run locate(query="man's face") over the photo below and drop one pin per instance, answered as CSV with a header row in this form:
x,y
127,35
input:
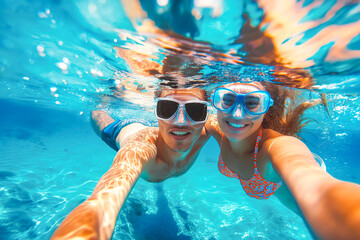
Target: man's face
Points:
x,y
178,134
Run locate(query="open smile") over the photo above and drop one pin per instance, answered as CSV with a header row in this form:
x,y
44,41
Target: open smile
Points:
x,y
180,135
236,126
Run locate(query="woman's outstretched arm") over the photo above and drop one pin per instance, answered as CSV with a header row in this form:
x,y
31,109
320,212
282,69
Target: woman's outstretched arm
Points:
x,y
330,206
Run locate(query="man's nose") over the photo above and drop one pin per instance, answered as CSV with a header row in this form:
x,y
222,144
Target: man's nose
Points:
x,y
180,118
238,111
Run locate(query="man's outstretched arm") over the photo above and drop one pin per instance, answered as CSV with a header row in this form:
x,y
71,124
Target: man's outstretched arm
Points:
x,y
96,217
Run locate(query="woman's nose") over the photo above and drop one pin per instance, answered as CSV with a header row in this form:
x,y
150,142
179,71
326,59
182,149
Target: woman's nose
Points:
x,y
238,111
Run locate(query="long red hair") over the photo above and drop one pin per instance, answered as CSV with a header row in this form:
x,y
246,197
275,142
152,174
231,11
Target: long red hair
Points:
x,y
285,116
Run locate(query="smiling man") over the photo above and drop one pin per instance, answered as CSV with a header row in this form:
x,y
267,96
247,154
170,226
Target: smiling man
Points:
x,y
154,153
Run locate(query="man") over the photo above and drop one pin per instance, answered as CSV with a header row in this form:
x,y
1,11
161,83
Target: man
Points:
x,y
154,153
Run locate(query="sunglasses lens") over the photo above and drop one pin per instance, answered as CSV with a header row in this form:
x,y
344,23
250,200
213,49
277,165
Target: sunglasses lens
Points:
x,y
196,111
165,109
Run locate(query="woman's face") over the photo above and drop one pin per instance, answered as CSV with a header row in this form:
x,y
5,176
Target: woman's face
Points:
x,y
238,124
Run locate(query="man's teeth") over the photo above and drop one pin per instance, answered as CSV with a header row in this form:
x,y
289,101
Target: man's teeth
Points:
x,y
180,133
236,125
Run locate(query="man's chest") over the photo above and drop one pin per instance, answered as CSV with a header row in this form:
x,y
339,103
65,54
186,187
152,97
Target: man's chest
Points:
x,y
160,170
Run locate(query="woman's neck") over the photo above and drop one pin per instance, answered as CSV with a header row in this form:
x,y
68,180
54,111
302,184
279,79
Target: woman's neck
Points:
x,y
244,146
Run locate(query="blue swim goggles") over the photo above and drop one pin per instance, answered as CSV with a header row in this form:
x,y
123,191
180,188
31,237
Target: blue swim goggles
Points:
x,y
254,103
195,111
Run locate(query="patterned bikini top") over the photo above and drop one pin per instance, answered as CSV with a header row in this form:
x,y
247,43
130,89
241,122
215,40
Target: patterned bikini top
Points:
x,y
257,187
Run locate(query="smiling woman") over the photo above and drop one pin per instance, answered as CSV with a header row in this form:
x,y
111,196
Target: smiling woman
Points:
x,y
259,151
226,101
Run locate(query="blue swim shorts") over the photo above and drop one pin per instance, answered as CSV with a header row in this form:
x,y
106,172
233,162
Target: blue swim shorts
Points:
x,y
111,131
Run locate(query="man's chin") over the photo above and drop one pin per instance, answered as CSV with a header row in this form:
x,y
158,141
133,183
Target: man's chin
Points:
x,y
180,147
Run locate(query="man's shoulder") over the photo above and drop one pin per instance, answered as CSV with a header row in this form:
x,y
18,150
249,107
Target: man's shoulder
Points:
x,y
146,135
212,127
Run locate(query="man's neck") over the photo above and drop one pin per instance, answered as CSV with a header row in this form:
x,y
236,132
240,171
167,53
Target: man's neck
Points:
x,y
167,154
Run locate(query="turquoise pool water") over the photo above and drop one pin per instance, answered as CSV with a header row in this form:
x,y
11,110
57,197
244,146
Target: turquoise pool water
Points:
x,y
58,62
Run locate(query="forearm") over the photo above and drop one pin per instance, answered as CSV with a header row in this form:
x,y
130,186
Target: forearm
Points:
x,y
330,206
82,223
109,200
338,216
96,217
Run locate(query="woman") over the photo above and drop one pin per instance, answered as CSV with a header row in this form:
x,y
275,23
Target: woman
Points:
x,y
258,147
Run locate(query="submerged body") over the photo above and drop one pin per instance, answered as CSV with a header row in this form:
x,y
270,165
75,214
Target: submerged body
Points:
x,y
257,186
255,171
268,162
154,153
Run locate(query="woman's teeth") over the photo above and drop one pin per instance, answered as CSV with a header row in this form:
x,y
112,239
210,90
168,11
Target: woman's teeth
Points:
x,y
236,125
180,133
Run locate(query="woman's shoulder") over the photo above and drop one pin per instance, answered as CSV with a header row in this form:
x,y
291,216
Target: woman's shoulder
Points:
x,y
281,148
274,139
272,135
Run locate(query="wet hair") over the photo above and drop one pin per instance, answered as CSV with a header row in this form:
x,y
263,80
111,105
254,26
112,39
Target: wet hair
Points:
x,y
285,116
197,92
